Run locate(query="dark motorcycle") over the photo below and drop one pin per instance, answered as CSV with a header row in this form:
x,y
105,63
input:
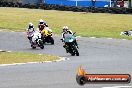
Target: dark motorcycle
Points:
x,y
70,44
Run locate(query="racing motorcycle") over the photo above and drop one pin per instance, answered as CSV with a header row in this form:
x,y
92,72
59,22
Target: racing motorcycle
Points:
x,y
70,45
37,41
47,36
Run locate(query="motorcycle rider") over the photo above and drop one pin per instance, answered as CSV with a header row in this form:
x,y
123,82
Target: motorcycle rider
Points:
x,y
30,31
42,24
66,30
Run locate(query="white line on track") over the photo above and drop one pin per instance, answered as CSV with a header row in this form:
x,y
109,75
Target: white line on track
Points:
x,y
92,37
12,31
39,54
8,51
118,87
124,39
78,36
61,59
5,51
17,64
23,32
109,38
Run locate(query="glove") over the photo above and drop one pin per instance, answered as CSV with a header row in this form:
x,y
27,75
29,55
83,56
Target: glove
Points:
x,y
62,40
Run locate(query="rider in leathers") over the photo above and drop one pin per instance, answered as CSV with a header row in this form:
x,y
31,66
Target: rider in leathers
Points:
x,y
65,31
30,32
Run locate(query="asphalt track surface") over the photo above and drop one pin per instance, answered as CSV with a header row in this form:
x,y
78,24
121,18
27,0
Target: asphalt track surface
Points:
x,y
97,55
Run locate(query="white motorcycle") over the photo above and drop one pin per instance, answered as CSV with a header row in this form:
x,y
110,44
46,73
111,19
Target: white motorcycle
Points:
x,y
37,41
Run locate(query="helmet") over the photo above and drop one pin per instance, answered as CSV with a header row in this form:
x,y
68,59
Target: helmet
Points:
x,y
65,28
41,21
30,25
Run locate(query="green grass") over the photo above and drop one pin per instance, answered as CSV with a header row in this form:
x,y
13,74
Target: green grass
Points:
x,y
19,57
90,24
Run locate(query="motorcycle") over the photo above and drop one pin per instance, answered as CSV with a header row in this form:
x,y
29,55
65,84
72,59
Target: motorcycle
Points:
x,y
47,36
37,41
70,44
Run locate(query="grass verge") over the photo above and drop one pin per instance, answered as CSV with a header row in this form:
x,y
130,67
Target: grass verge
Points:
x,y
90,24
20,57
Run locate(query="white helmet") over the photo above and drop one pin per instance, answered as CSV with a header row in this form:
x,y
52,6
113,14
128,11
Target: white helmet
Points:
x,y
30,24
41,20
65,27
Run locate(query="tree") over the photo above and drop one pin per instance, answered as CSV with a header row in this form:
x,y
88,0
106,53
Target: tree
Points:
x,y
15,1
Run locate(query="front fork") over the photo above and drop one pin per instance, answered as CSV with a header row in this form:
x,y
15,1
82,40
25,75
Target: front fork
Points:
x,y
75,44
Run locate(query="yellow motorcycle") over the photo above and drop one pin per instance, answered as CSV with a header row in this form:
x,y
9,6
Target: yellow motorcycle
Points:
x,y
47,36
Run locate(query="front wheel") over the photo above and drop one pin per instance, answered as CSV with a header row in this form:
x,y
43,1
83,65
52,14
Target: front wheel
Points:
x,y
72,52
42,47
76,51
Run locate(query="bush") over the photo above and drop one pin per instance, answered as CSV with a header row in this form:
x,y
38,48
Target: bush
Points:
x,y
114,10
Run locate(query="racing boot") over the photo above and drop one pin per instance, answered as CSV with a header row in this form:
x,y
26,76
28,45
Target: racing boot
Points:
x,y
65,48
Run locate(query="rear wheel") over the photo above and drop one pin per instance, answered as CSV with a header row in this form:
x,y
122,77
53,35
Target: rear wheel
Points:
x,y
40,42
52,41
43,40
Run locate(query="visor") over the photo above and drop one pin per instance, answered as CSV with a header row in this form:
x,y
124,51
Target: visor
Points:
x,y
41,22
